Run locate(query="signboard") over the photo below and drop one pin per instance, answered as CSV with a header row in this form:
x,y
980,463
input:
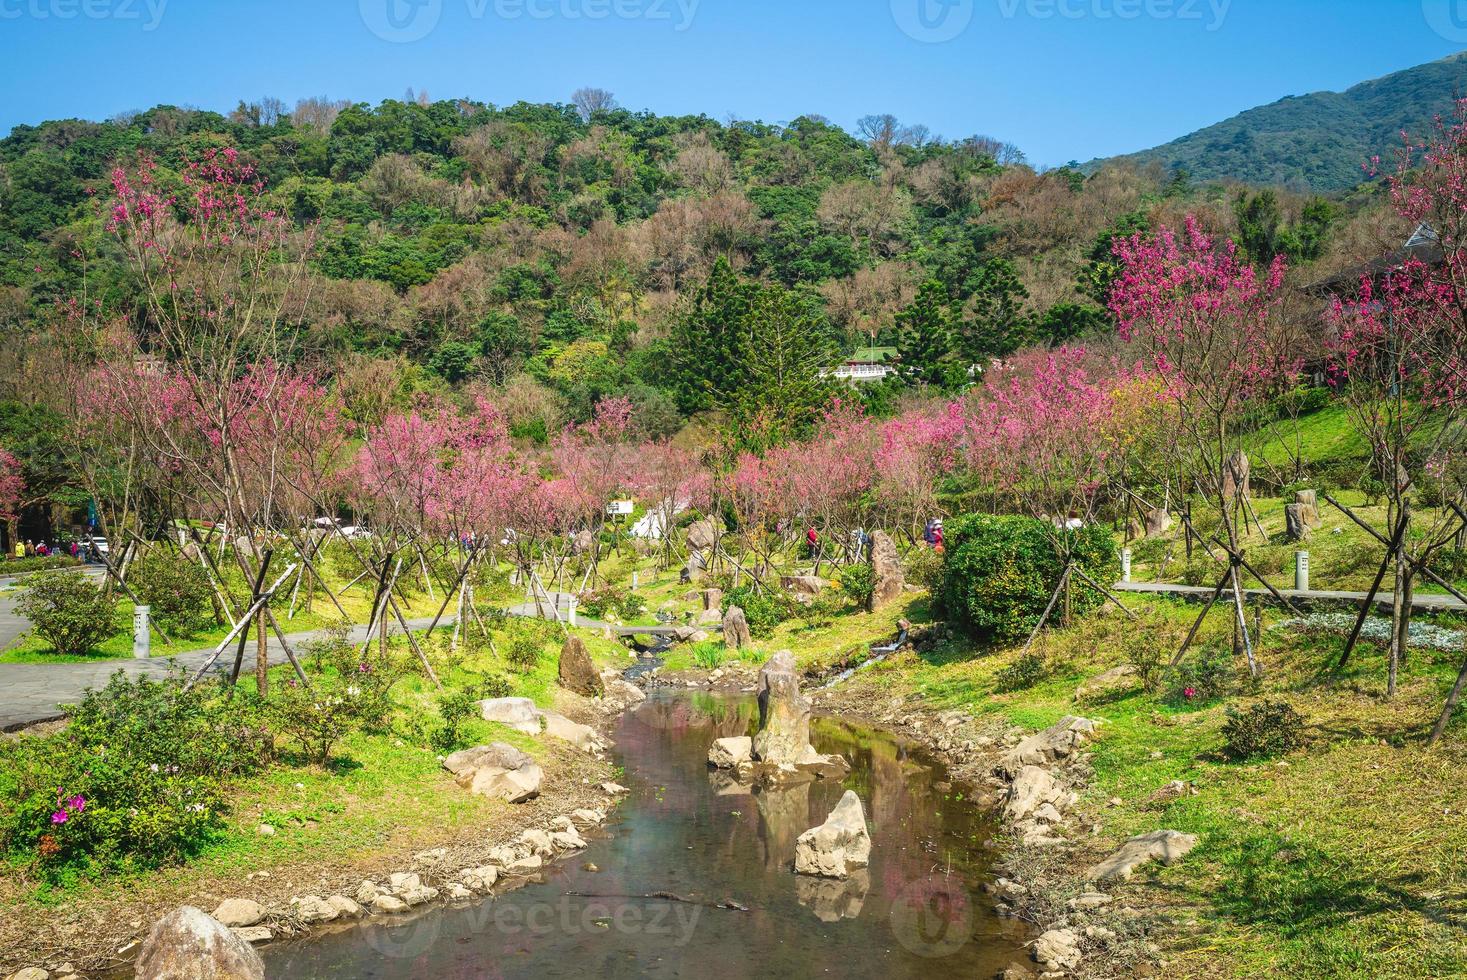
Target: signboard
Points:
x,y
140,632
619,508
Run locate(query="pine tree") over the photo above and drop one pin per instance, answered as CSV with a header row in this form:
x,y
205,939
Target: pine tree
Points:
x,y
999,322
925,338
708,340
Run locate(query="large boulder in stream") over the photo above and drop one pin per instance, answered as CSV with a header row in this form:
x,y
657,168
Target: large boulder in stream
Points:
x,y
189,944
887,580
498,771
833,899
837,847
577,673
732,752
784,714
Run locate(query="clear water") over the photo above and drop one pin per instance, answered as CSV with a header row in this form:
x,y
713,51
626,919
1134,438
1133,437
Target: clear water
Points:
x,y
687,832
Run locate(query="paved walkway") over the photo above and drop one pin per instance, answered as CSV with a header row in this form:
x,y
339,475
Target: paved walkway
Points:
x,y
31,693
1420,602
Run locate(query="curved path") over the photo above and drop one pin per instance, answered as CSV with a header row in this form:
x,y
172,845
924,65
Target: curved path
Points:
x,y
32,693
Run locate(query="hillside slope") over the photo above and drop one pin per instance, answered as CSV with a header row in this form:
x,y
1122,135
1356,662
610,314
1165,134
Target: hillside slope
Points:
x,y
1317,141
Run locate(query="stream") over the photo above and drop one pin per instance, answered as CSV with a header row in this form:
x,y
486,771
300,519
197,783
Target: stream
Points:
x,y
696,878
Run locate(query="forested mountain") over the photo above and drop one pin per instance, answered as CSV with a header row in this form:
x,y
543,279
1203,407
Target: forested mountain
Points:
x,y
564,253
1318,141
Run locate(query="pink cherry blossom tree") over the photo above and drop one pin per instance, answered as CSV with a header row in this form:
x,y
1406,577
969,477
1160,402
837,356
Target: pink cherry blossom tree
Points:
x,y
1398,356
1207,323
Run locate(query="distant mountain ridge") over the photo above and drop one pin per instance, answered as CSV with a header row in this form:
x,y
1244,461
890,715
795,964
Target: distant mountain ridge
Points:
x,y
1318,141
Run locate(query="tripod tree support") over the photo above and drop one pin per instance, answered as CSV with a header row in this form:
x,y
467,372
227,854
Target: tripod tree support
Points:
x,y
1392,547
244,621
1059,589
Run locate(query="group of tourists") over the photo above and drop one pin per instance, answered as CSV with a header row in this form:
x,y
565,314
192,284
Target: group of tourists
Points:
x,y
41,549
860,541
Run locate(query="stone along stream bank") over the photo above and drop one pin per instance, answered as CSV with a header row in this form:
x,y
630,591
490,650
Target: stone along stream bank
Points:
x,y
695,877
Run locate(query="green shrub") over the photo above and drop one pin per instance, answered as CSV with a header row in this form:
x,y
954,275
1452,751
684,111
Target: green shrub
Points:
x,y
709,655
764,609
1022,674
68,611
176,590
1148,643
319,716
858,582
1266,729
924,569
610,600
460,704
20,566
335,660
455,706
1204,677
523,651
134,781
999,572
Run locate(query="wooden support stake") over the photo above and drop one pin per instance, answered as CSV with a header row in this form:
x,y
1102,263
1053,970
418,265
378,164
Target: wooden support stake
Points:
x,y
1365,606
1197,624
1106,592
1058,590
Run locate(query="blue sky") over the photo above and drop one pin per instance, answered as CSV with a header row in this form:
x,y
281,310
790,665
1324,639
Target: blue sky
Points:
x,y
1064,79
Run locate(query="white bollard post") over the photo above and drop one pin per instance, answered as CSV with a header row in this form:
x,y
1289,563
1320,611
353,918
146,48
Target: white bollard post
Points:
x,y
140,639
1301,571
571,614
634,581
1125,564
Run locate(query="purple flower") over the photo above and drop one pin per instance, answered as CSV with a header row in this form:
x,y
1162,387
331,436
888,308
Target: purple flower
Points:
x,y
77,804
60,816
1190,692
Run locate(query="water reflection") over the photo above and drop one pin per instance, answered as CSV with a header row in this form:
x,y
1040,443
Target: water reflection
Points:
x,y
688,840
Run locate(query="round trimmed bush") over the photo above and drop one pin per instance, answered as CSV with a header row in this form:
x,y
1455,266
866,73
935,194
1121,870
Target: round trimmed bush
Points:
x,y
1000,572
